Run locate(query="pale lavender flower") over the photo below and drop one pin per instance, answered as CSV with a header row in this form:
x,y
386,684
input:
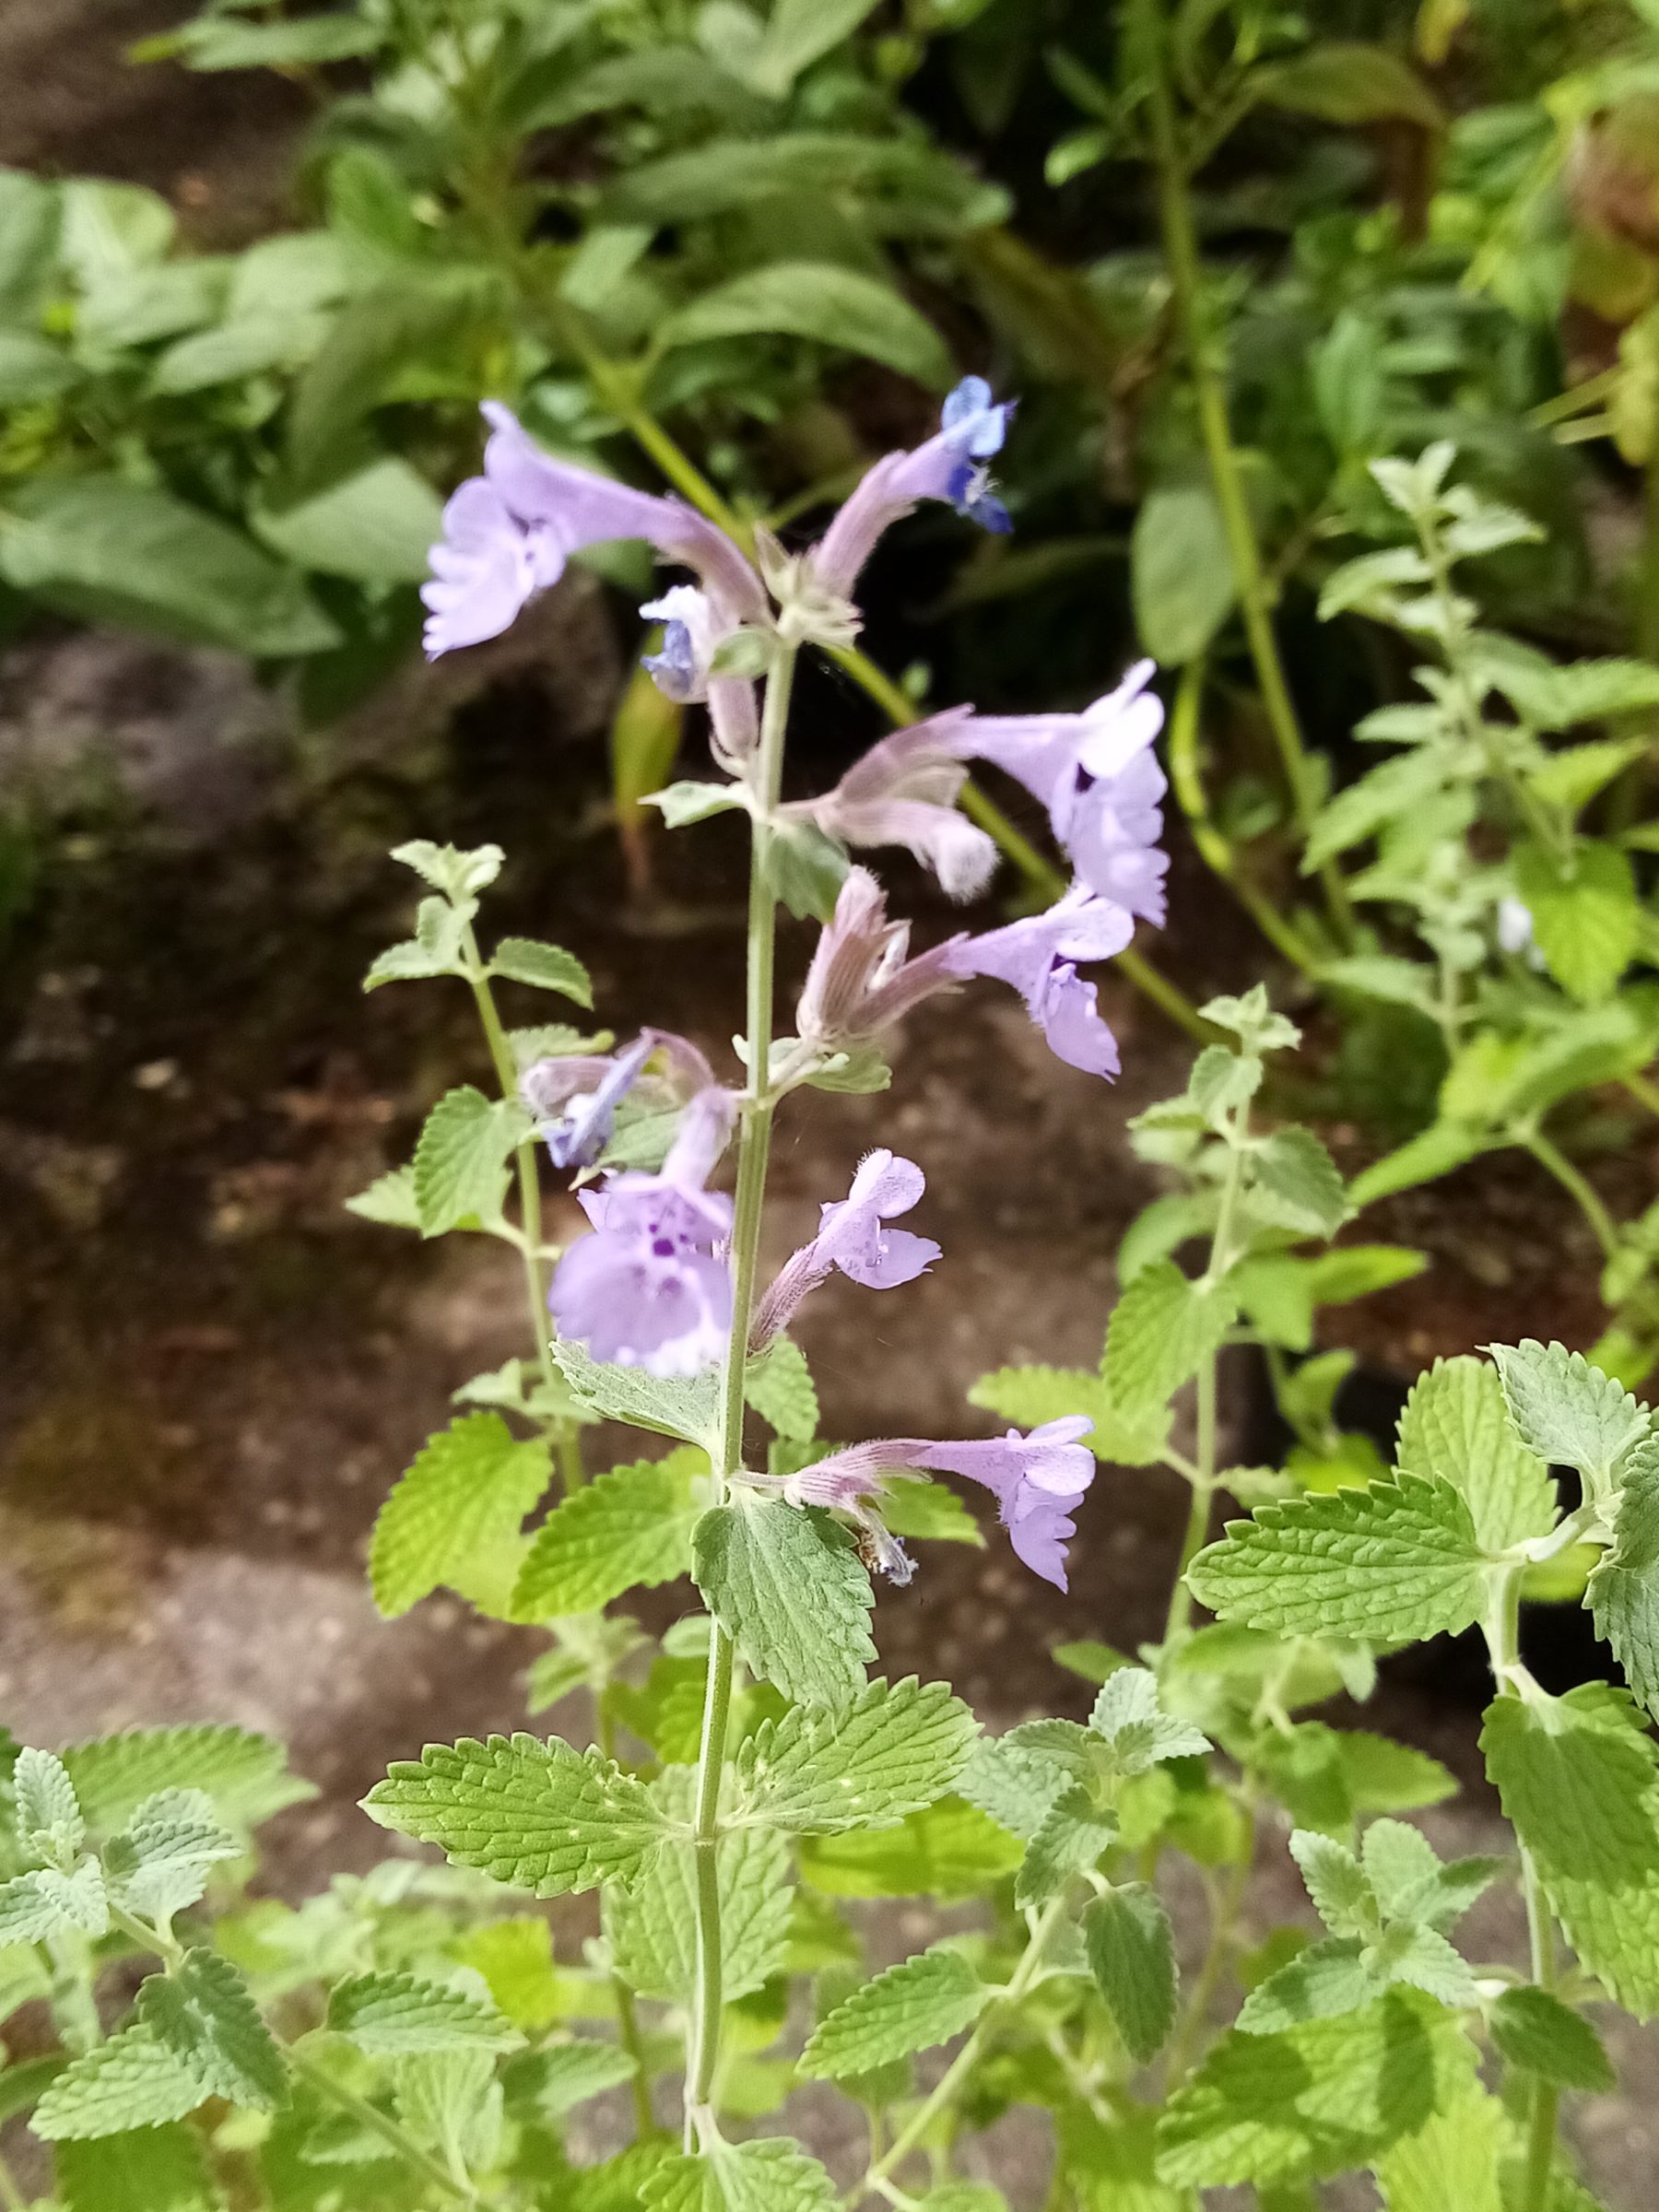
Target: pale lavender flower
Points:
x,y
652,1286
853,1236
860,980
903,792
951,466
1096,774
1038,958
1039,1481
574,1098
696,623
508,534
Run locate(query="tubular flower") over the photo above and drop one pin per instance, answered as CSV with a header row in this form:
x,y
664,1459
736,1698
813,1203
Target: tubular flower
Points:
x,y
575,1122
508,534
652,1286
1038,957
860,981
903,792
853,1236
1096,775
696,623
1039,1481
951,466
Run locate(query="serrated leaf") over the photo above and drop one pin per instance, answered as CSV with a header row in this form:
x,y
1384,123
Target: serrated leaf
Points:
x,y
547,966
894,1750
245,1773
1296,1184
651,1929
779,1386
1425,1959
540,1816
1161,1331
201,2012
454,1516
1575,1776
1453,2159
434,950
48,1903
389,1200
1320,1983
1030,1396
451,2102
50,1823
460,874
1335,1881
1132,1957
1534,2030
1391,1564
786,1584
1127,1715
951,1850
159,1861
1567,1411
683,1406
629,1528
393,2016
929,1512
132,2080
1624,1590
568,2073
770,2175
145,2170
1585,912
1456,1427
925,2000
1074,1833
460,1167
1014,1786
1313,2101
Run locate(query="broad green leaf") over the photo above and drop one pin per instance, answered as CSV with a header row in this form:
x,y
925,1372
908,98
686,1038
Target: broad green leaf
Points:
x,y
455,1517
376,526
1360,810
1030,1396
779,1386
50,1822
1567,1411
909,2008
1132,1957
1624,1589
1180,572
246,1774
1281,1291
685,1407
1452,2161
436,949
737,172
389,1200
1534,2030
102,550
1456,1427
797,33
131,2081
147,2170
452,2103
461,1160
1313,2101
627,1528
1586,915
893,1751
1296,1184
1072,1835
392,2016
837,307
931,1514
1336,1882
1392,1564
539,1816
159,1861
458,874
1346,81
201,2012
786,1584
1320,1983
377,341
652,1928
1016,1786
770,2175
217,41
1162,1329
568,2073
244,345
1575,1776
110,230
547,966
951,1850
1556,696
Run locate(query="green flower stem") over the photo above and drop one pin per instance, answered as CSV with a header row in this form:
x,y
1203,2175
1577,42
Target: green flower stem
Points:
x,y
1578,1187
1024,1976
1501,1629
567,1442
1215,848
1181,249
754,1143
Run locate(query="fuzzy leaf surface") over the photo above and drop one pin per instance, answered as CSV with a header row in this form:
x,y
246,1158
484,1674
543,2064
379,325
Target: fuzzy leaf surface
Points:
x,y
1534,2030
245,1773
1567,1411
1132,1957
203,2013
924,2000
1391,1564
132,2080
629,1528
951,1850
894,1750
772,2175
1456,1427
544,967
538,1814
779,1386
159,1861
1624,1588
460,1166
454,1516
393,2016
787,1585
1161,1331
652,1929
1030,1396
1297,1184
684,1407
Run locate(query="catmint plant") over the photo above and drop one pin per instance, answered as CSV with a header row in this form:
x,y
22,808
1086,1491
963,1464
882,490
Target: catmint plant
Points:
x,y
424,2036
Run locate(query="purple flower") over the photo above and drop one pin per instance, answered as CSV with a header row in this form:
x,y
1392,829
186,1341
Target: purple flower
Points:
x,y
1038,957
861,982
696,623
577,1122
853,1236
903,792
1096,775
1039,1481
652,1286
508,534
949,466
